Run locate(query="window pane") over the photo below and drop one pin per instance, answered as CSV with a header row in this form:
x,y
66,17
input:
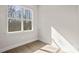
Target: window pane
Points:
x,y
14,18
27,22
14,25
15,12
27,25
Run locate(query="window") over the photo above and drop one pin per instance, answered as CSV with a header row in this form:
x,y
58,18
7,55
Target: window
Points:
x,y
19,18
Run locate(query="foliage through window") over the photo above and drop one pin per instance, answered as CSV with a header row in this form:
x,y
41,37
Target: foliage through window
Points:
x,y
19,18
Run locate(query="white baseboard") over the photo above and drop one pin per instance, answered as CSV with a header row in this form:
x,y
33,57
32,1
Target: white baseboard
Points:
x,y
16,45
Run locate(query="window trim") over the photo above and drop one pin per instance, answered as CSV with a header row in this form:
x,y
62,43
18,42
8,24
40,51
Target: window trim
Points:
x,y
19,31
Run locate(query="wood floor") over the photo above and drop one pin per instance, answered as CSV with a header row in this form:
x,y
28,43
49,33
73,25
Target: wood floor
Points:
x,y
35,47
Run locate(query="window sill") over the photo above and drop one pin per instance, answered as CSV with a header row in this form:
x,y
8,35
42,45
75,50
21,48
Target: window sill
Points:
x,y
21,31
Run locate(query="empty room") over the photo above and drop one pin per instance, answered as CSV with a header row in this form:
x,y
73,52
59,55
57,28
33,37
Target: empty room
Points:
x,y
39,28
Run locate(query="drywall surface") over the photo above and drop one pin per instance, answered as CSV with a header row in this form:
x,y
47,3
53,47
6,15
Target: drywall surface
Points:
x,y
11,40
63,19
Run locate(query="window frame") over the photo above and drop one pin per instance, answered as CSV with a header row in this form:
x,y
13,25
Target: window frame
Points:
x,y
22,29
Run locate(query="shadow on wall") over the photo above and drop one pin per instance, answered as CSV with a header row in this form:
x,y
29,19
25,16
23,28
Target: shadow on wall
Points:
x,y
61,42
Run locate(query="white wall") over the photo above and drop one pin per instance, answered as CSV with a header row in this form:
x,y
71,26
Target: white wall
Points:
x,y
63,18
11,40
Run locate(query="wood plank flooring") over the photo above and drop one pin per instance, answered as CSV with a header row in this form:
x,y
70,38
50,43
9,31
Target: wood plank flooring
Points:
x,y
35,47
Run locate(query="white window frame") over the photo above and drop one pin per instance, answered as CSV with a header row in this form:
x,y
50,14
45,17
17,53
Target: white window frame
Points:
x,y
22,30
